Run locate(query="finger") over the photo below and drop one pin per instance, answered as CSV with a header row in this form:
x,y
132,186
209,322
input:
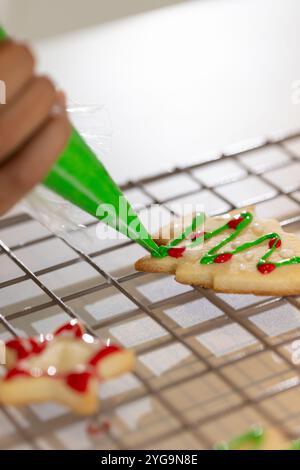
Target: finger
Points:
x,y
29,166
25,115
61,98
16,67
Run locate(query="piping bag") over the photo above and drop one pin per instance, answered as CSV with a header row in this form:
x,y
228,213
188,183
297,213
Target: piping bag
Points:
x,y
81,178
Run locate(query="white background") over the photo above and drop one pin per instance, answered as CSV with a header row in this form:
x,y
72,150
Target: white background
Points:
x,y
177,81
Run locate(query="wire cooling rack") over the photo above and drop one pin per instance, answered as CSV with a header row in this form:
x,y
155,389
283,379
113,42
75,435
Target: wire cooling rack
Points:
x,y
208,365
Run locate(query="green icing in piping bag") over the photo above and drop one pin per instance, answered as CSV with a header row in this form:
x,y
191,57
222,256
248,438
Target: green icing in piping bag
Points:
x,y
3,34
80,177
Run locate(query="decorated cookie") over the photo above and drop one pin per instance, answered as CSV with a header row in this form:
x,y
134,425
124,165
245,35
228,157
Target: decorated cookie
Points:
x,y
235,253
258,438
65,366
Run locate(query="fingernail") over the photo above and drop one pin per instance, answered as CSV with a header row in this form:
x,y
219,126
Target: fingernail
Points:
x,y
57,109
61,97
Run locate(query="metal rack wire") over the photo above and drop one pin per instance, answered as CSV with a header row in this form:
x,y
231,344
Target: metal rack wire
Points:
x,y
210,394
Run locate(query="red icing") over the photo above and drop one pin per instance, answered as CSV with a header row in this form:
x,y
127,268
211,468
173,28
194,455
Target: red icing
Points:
x,y
18,345
103,353
13,373
223,258
25,347
79,381
72,327
266,268
197,235
96,429
31,346
37,347
273,241
233,223
176,252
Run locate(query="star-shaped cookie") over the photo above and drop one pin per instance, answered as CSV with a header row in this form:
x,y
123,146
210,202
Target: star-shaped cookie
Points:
x,y
235,253
65,366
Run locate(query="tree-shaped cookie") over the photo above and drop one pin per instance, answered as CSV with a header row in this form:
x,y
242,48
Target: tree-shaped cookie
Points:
x,y
237,253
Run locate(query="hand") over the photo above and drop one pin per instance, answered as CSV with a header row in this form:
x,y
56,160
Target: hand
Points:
x,y
34,127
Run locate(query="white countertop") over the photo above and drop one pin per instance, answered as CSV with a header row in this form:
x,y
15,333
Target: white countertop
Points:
x,y
184,80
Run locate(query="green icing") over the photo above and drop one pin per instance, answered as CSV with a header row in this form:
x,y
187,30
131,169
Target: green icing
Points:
x,y
295,445
237,226
254,437
197,221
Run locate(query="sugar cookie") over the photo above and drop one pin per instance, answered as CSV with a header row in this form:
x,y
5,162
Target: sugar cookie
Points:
x,y
65,366
234,253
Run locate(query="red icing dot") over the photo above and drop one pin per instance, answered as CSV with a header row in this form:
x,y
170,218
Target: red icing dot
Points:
x,y
96,429
273,241
223,257
78,381
197,235
103,353
233,223
16,373
72,327
176,252
266,268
